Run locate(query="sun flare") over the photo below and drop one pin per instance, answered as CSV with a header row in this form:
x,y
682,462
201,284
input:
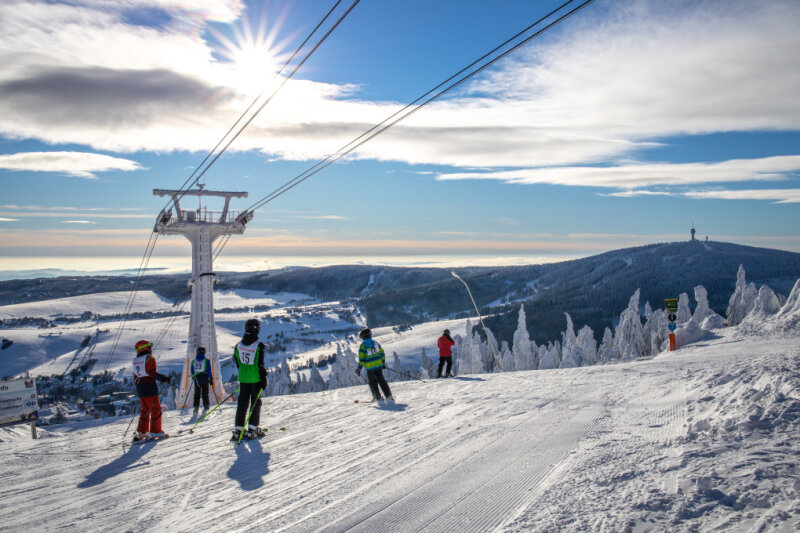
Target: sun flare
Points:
x,y
251,55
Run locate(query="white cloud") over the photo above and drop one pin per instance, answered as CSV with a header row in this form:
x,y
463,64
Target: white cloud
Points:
x,y
80,164
78,222
616,79
635,193
779,196
635,175
323,217
3,219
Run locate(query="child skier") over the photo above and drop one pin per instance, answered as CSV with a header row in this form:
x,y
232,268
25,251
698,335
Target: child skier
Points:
x,y
249,358
446,344
201,373
145,374
372,357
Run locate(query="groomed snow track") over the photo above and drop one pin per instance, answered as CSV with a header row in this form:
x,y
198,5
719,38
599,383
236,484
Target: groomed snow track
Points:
x,y
602,448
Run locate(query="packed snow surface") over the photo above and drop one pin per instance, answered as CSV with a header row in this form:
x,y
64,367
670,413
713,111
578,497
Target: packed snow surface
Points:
x,y
702,439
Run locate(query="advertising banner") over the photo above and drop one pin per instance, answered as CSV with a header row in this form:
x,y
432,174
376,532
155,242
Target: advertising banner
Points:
x,y
19,401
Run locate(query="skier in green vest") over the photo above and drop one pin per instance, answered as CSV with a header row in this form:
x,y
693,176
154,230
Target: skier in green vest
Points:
x,y
248,355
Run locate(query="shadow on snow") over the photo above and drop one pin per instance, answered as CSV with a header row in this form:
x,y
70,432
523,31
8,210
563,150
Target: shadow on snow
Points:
x,y
251,465
118,466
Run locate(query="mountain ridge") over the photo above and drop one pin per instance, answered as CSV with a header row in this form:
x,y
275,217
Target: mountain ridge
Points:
x,y
593,290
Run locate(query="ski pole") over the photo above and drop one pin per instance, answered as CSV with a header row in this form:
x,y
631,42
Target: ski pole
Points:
x,y
404,374
214,409
253,408
186,396
214,391
125,435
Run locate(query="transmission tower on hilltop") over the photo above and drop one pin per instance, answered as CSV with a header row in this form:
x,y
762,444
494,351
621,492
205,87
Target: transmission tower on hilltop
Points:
x,y
202,228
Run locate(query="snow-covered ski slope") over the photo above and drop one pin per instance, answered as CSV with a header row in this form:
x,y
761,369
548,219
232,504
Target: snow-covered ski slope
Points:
x,y
702,439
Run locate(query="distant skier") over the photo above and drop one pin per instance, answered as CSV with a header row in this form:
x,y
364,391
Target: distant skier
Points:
x,y
145,374
249,358
372,357
446,344
201,374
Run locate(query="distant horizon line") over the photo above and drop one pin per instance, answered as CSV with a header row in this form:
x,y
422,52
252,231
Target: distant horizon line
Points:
x,y
41,267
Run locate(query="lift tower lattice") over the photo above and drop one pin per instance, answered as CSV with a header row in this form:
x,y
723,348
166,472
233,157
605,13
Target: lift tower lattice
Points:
x,y
202,228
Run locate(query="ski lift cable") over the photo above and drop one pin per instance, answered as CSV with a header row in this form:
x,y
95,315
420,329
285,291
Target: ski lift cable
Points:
x,y
385,125
151,243
409,105
132,296
189,181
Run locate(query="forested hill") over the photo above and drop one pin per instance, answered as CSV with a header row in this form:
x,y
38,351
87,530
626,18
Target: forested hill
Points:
x,y
593,290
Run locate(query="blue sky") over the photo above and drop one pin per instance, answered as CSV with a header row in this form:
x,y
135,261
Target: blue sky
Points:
x,y
622,126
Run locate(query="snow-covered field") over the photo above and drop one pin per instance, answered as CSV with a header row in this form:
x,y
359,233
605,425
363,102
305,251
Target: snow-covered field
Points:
x,y
302,322
101,303
702,439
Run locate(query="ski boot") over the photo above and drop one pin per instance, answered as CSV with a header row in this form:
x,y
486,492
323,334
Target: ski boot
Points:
x,y
158,436
139,436
237,434
255,432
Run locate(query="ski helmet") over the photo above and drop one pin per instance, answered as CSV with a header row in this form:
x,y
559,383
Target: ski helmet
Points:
x,y
143,347
201,350
252,326
365,333
446,332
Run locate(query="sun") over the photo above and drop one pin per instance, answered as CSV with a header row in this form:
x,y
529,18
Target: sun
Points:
x,y
251,56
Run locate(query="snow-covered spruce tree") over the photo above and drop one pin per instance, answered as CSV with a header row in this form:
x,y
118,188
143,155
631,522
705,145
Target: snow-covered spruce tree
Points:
x,y
476,355
488,351
426,364
457,353
703,310
742,300
607,352
789,314
587,345
400,373
549,356
280,380
507,363
462,359
570,355
767,304
684,314
301,385
316,382
521,344
629,340
655,329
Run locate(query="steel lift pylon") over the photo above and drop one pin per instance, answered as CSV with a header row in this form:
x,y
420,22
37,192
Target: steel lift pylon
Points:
x,y
202,228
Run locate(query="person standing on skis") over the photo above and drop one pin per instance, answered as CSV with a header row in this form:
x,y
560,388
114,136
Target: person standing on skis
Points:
x,y
248,355
145,375
201,374
446,344
372,357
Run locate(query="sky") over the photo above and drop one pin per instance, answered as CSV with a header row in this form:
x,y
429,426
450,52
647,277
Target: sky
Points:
x,y
626,124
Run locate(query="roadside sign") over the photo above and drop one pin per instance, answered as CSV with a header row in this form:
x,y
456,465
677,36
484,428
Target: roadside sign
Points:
x,y
19,401
672,326
672,317
671,304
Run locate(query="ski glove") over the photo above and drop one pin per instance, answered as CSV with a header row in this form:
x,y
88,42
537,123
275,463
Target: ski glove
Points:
x,y
358,371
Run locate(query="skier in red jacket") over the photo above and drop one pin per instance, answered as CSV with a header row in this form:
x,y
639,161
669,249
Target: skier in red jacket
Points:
x,y
446,344
145,374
